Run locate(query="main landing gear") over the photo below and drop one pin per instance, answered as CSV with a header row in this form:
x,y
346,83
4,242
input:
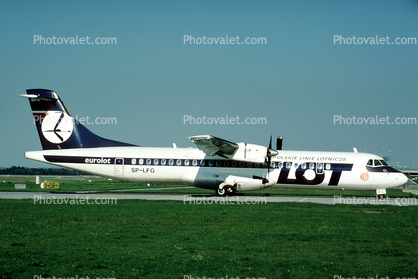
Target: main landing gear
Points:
x,y
227,190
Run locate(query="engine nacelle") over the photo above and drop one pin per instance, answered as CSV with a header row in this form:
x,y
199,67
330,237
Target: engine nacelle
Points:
x,y
248,152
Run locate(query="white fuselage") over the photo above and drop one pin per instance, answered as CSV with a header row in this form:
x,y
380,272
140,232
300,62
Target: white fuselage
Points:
x,y
190,166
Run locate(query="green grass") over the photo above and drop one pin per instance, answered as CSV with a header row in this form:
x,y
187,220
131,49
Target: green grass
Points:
x,y
169,239
68,184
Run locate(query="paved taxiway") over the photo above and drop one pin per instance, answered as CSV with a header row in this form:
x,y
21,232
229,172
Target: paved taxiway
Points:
x,y
208,199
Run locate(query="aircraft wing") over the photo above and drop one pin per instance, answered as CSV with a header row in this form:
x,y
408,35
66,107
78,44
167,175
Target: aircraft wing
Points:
x,y
212,145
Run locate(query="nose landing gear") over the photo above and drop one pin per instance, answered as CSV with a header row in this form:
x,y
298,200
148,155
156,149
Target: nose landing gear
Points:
x,y
381,193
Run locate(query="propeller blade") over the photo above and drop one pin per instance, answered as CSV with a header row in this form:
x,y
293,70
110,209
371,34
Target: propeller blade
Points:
x,y
268,159
279,143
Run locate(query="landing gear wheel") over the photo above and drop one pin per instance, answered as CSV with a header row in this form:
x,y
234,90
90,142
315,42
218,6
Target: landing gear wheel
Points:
x,y
221,192
230,191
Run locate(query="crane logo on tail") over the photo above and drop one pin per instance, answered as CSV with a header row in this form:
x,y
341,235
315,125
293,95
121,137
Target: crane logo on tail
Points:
x,y
57,126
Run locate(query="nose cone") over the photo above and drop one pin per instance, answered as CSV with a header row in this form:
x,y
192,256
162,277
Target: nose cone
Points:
x,y
402,179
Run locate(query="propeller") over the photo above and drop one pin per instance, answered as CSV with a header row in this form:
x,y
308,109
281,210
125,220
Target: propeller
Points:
x,y
270,153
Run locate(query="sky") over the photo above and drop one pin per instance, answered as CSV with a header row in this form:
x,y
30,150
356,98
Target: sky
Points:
x,y
299,78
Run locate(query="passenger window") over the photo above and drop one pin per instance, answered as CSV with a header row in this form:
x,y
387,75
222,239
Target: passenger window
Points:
x,y
328,166
140,161
155,162
194,163
311,166
303,166
148,161
171,162
288,165
133,161
186,162
178,162
163,161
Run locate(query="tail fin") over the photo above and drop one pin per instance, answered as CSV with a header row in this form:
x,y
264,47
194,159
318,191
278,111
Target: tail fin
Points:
x,y
57,129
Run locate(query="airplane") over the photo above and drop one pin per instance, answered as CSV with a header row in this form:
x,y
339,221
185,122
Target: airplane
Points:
x,y
216,164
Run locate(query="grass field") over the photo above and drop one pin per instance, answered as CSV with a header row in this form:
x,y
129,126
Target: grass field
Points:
x,y
167,239
170,239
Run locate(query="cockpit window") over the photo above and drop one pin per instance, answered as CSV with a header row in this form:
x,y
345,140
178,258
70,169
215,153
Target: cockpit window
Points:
x,y
383,162
377,163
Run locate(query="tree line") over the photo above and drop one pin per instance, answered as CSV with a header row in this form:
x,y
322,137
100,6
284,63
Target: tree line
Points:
x,y
39,171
